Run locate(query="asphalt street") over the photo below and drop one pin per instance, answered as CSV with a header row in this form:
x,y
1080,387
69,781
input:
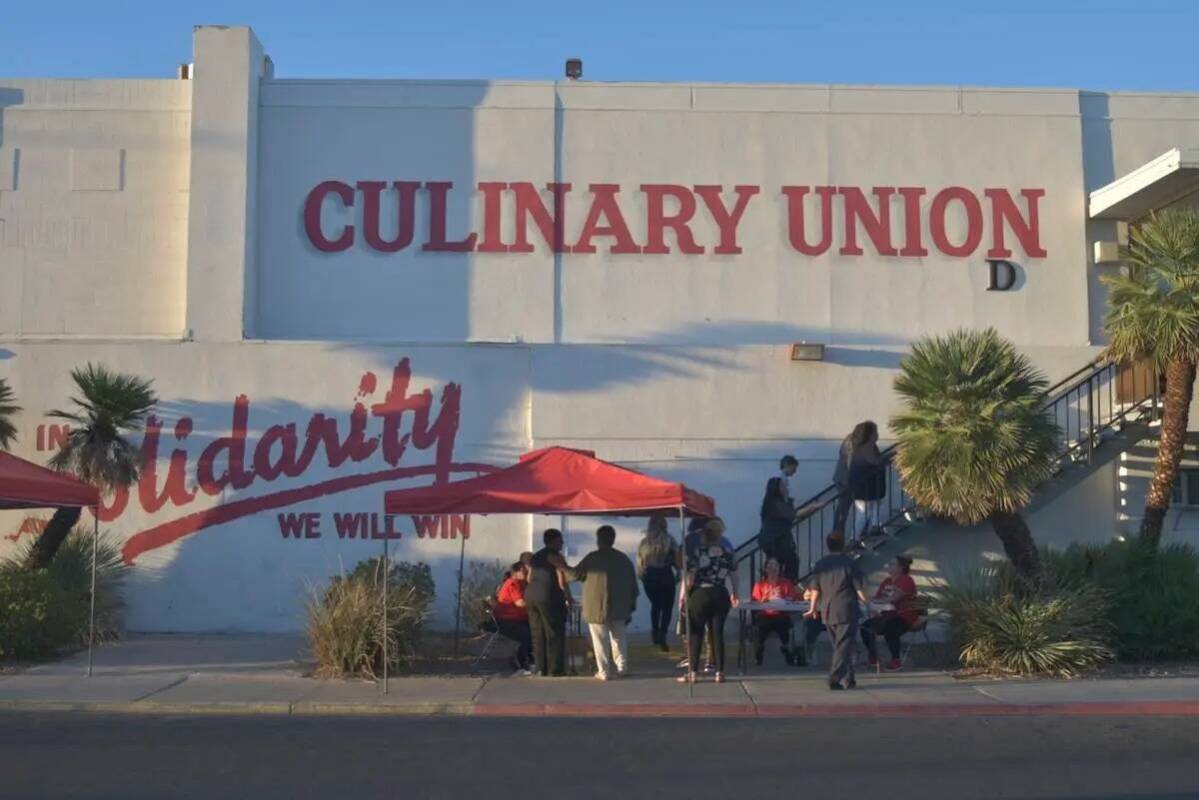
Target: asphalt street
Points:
x,y
81,755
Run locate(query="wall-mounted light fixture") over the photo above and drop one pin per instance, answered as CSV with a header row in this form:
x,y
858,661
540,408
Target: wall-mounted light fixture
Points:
x,y
802,351
574,68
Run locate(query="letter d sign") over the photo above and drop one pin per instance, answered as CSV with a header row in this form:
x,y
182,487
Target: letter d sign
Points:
x,y
1003,276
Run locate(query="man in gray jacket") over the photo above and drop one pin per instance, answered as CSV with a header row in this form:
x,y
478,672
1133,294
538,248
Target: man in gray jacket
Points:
x,y
609,600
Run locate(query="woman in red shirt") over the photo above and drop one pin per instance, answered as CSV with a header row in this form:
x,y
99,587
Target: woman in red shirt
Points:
x,y
773,587
512,618
899,590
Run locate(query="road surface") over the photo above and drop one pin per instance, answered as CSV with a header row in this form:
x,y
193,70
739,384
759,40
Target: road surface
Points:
x,y
225,756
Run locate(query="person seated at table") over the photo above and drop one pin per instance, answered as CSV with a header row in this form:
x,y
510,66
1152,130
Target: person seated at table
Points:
x,y
710,586
898,590
512,617
525,559
773,587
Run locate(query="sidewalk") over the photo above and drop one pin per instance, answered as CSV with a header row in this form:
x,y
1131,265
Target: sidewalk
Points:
x,y
265,675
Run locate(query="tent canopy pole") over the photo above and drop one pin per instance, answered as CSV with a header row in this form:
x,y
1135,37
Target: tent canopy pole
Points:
x,y
91,629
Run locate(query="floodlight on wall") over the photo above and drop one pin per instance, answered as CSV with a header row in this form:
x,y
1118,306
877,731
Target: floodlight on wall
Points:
x,y
574,68
802,351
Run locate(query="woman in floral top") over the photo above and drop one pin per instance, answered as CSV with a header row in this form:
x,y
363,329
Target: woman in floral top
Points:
x,y
711,590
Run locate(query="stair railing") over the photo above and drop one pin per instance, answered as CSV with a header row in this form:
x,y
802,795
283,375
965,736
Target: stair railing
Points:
x,y
1087,405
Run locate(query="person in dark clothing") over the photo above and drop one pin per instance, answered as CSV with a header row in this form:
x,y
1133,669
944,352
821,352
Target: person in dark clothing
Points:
x,y
778,515
711,572
837,589
841,481
867,478
545,600
657,556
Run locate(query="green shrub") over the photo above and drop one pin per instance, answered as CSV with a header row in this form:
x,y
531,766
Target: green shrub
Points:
x,y
71,569
1155,610
482,580
68,582
1004,626
37,617
345,622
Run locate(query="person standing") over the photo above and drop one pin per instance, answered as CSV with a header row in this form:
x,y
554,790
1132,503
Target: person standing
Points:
x,y
545,600
693,542
867,477
657,556
836,589
841,481
609,600
777,516
710,584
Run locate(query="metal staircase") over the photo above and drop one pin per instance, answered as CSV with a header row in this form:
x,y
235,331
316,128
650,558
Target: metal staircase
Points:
x,y
1091,406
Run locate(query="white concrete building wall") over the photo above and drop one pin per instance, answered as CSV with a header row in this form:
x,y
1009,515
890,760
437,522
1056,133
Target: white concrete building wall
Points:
x,y
93,207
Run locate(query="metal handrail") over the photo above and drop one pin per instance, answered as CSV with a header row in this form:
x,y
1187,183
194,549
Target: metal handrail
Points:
x,y
1078,408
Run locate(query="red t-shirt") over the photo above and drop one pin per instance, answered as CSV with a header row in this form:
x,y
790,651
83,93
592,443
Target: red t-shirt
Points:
x,y
905,605
765,591
505,601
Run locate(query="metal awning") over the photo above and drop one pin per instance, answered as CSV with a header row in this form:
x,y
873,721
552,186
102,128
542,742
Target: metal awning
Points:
x,y
1165,180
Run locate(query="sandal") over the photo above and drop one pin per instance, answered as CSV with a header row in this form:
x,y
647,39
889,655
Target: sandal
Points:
x,y
686,677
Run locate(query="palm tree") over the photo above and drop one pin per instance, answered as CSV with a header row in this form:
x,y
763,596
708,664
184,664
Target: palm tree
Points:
x,y
1153,318
96,450
974,441
8,409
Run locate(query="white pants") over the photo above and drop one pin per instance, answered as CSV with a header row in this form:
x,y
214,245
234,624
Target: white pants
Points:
x,y
867,516
609,643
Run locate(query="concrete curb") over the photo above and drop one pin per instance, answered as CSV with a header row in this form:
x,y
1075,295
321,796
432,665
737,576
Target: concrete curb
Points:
x,y
1157,708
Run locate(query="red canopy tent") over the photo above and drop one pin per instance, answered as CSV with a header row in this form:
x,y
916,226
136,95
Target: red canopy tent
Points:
x,y
555,480
24,484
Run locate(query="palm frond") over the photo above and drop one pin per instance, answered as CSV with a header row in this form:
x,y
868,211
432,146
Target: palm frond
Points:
x,y
8,409
973,438
110,406
1153,305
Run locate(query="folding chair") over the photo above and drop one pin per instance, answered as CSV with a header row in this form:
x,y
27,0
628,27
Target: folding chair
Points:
x,y
488,626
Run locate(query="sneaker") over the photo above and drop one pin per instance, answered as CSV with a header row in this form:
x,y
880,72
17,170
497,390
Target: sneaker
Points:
x,y
757,659
789,657
709,667
894,665
683,664
524,673
602,676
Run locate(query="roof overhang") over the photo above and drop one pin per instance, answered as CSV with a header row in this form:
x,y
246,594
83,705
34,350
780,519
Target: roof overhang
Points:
x,y
1165,180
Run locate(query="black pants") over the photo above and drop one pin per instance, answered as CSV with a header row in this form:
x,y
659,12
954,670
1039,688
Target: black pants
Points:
x,y
840,671
518,631
841,512
891,628
708,606
547,624
659,588
765,625
812,628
